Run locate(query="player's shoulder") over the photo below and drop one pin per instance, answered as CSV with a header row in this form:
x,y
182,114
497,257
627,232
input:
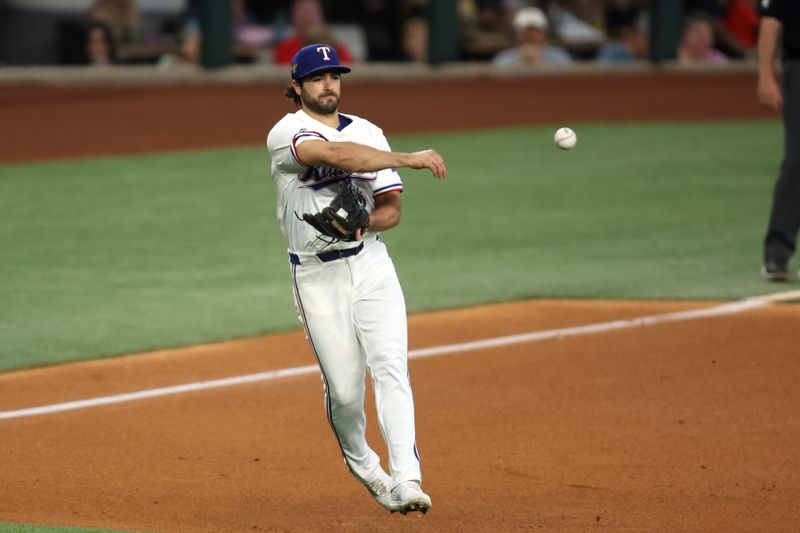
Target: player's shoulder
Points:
x,y
359,121
363,124
283,130
289,122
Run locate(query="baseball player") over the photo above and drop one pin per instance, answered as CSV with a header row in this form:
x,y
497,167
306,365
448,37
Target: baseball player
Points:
x,y
345,286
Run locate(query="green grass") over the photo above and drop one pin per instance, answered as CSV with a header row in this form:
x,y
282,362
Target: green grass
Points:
x,y
125,254
635,211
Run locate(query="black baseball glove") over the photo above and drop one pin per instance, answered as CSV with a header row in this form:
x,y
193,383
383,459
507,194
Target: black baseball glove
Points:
x,y
345,214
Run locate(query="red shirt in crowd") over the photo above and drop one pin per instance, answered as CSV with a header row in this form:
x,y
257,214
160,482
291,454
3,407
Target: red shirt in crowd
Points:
x,y
287,48
742,20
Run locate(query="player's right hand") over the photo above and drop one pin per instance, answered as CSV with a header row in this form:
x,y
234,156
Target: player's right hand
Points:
x,y
769,93
431,160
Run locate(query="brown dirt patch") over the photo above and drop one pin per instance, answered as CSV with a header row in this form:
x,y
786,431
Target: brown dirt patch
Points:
x,y
686,426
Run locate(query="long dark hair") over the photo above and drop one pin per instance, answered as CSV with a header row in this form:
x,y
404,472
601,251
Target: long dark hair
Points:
x,y
291,95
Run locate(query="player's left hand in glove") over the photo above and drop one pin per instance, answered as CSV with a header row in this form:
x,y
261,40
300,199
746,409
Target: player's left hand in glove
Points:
x,y
344,216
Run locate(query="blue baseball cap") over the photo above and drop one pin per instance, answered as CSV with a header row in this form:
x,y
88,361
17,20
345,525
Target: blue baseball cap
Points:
x,y
315,58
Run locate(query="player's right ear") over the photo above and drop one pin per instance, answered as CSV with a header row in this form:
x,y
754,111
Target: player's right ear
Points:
x,y
298,89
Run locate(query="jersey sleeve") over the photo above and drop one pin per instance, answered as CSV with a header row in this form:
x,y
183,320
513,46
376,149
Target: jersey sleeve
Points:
x,y
388,179
282,144
302,136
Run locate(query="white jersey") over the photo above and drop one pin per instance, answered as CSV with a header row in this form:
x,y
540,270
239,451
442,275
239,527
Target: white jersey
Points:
x,y
351,305
303,189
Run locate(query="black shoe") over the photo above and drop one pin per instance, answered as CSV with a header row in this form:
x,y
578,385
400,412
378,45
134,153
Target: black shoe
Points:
x,y
774,271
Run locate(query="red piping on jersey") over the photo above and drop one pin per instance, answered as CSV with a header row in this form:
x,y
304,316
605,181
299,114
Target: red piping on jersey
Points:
x,y
399,189
299,134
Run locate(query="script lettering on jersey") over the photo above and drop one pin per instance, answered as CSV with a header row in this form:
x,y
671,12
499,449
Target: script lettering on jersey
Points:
x,y
323,177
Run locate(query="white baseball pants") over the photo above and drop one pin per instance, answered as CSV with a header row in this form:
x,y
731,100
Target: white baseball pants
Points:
x,y
355,318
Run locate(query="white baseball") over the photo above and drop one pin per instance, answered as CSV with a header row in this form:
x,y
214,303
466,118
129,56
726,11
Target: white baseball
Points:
x,y
565,138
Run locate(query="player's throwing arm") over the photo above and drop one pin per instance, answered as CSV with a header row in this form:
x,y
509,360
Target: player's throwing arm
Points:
x,y
355,157
431,160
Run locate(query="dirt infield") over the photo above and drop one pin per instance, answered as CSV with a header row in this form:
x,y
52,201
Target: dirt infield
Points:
x,y
676,426
685,426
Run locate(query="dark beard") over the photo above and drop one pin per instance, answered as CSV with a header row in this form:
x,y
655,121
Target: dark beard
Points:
x,y
317,106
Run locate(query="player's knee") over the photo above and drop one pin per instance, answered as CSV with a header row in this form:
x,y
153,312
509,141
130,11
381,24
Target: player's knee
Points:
x,y
347,400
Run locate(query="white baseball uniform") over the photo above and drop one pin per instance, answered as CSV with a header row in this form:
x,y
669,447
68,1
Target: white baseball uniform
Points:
x,y
348,296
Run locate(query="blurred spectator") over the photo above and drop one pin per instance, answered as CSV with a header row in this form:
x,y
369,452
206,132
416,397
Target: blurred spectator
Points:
x,y
630,42
121,16
716,12
249,34
190,37
577,22
697,43
483,28
371,29
114,31
742,19
111,25
308,22
100,48
621,14
532,47
415,38
251,38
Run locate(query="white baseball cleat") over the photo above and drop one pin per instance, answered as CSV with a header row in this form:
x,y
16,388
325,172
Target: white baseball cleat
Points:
x,y
379,489
408,497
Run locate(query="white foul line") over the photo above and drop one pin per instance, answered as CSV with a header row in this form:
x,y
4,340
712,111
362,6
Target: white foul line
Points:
x,y
723,309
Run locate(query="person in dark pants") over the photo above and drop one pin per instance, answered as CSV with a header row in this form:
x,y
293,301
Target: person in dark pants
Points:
x,y
782,17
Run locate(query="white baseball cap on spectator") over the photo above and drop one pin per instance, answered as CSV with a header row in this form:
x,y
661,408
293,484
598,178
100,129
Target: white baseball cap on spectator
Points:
x,y
530,17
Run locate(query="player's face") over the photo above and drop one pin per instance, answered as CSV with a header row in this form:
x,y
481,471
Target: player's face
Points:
x,y
320,92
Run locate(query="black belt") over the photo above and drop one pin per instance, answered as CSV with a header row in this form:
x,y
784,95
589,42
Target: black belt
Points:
x,y
331,255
